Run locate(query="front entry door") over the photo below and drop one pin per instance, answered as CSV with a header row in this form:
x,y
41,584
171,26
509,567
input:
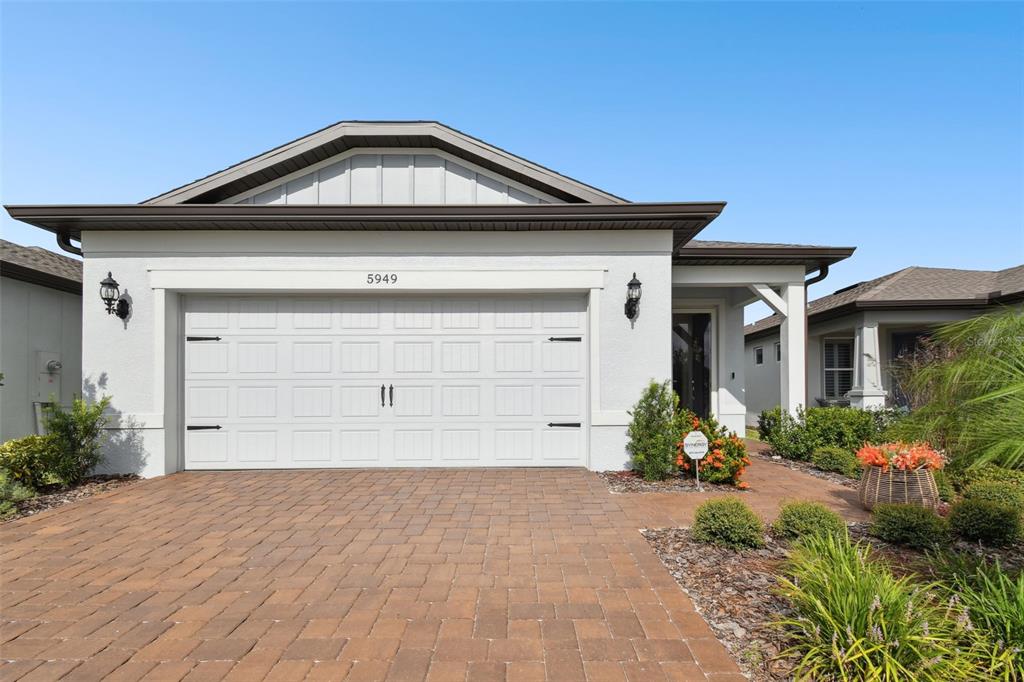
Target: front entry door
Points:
x,y
691,361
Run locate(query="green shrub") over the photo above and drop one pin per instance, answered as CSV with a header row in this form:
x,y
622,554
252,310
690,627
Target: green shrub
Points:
x,y
832,458
964,478
852,619
910,525
995,491
789,438
77,434
11,492
797,519
767,422
984,521
994,603
944,484
29,460
729,522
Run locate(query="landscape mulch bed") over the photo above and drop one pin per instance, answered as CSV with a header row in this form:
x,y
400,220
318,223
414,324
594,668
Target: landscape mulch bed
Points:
x,y
55,496
631,482
807,468
735,591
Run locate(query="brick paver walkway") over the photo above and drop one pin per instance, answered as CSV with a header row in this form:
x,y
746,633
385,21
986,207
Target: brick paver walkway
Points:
x,y
447,575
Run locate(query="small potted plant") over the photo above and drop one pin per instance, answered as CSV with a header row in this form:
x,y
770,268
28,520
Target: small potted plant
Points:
x,y
899,473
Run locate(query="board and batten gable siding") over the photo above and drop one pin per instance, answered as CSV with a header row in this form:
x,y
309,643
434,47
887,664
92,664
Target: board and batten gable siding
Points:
x,y
359,177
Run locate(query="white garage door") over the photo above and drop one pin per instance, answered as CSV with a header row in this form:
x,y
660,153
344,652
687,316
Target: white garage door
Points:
x,y
289,382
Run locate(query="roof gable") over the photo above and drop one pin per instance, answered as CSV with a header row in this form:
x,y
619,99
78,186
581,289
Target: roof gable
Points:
x,y
334,140
371,176
40,266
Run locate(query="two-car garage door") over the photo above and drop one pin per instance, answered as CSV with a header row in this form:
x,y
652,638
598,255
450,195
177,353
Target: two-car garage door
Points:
x,y
287,382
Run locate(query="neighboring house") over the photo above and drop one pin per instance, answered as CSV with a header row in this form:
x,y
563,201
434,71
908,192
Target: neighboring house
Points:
x,y
40,334
855,334
403,294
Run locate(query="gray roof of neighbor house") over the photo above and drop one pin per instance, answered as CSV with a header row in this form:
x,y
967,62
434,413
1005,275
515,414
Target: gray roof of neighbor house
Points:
x,y
39,266
913,287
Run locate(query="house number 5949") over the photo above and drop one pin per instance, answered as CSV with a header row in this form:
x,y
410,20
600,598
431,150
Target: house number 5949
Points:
x,y
381,278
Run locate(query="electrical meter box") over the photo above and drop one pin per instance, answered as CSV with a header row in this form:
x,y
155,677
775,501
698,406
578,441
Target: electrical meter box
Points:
x,y
48,373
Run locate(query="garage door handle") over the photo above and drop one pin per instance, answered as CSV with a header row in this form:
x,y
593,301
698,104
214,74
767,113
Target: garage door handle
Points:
x,y
572,424
202,338
391,395
382,395
565,338
202,428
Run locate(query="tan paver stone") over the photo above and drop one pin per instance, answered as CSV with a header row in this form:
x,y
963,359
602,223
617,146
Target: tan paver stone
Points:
x,y
363,573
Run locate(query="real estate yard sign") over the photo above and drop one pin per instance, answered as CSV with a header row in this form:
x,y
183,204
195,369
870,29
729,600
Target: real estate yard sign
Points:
x,y
695,445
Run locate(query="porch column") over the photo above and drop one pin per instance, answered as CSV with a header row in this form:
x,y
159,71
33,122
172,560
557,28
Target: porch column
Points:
x,y
793,340
867,391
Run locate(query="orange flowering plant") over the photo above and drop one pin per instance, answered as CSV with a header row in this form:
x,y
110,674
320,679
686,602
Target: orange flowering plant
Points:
x,y
727,455
900,455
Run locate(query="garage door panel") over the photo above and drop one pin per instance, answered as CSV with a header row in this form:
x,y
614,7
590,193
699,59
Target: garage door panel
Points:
x,y
470,381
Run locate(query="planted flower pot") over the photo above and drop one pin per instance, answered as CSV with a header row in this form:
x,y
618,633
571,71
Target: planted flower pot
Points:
x,y
894,486
899,473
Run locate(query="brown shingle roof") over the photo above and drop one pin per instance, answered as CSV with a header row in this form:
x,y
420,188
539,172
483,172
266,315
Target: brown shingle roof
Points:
x,y
913,285
40,266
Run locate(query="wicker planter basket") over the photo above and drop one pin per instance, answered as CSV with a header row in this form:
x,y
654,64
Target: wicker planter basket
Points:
x,y
878,486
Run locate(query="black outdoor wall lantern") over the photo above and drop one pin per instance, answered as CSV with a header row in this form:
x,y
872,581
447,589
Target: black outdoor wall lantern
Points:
x,y
110,292
633,293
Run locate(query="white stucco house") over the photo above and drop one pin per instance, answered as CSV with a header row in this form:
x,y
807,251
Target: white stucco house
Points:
x,y
40,335
403,294
855,334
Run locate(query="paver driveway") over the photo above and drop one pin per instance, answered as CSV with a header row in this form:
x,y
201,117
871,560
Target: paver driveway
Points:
x,y
515,574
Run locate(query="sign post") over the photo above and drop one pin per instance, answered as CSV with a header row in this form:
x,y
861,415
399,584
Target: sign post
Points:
x,y
695,445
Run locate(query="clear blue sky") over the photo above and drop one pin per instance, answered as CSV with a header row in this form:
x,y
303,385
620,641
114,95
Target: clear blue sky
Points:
x,y
896,128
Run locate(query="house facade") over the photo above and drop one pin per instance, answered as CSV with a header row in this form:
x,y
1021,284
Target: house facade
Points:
x,y
856,334
40,335
403,294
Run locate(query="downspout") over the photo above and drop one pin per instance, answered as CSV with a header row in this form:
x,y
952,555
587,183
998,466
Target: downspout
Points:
x,y
64,242
821,274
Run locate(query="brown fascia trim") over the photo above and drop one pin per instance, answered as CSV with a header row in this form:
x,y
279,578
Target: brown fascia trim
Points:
x,y
72,219
810,256
37,277
855,306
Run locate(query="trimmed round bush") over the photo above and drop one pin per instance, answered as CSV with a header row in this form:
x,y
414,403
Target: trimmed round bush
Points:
x,y
838,460
985,521
798,519
728,522
909,525
996,491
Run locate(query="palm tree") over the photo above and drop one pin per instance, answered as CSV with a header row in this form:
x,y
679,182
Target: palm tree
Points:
x,y
967,390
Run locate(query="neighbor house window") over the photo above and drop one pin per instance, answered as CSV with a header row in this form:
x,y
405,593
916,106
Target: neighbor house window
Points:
x,y
838,368
759,356
778,352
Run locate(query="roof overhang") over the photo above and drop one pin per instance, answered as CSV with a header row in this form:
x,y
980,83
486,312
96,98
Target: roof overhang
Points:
x,y
684,219
858,306
38,277
811,257
340,137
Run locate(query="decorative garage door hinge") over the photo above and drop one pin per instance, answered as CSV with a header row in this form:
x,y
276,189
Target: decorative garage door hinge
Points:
x,y
565,338
202,428
202,338
571,424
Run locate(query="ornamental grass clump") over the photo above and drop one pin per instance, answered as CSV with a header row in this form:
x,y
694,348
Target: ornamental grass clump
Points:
x,y
799,519
728,522
992,601
852,619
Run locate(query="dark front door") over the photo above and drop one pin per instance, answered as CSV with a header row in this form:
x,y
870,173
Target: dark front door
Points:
x,y
691,361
